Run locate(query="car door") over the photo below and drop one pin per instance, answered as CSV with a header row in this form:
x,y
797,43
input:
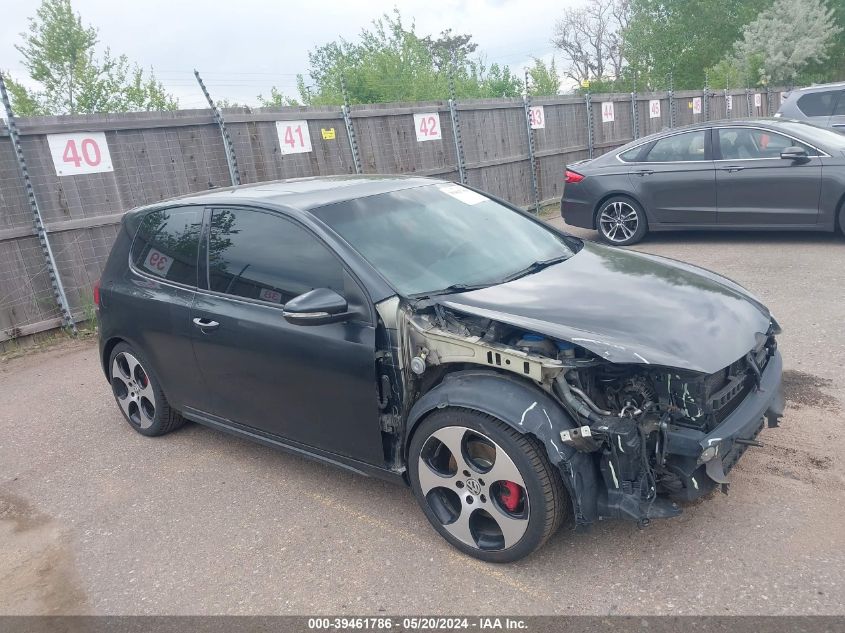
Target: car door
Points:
x,y
756,187
314,385
158,292
674,179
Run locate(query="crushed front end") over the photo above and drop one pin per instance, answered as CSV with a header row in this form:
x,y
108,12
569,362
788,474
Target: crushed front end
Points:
x,y
664,435
641,436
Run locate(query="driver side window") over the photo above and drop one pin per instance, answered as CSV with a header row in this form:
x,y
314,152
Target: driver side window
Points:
x,y
749,143
260,255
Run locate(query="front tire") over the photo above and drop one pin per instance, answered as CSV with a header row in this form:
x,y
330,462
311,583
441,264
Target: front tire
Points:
x,y
138,393
621,221
487,489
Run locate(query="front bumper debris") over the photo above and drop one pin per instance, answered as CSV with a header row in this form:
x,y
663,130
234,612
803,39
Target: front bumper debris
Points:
x,y
737,432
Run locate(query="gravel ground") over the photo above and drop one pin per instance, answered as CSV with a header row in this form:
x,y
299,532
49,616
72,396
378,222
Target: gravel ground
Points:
x,y
97,519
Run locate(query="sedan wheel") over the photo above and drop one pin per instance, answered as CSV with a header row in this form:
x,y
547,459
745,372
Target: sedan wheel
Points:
x,y
621,222
487,489
139,395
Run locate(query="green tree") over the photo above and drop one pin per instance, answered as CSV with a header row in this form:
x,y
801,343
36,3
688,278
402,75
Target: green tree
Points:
x,y
543,79
684,37
276,99
390,62
59,53
760,59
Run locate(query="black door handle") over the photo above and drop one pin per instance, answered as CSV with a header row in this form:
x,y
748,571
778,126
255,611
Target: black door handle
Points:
x,y
205,324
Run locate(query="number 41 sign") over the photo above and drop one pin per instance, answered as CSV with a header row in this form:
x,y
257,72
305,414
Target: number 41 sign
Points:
x,y
79,153
293,137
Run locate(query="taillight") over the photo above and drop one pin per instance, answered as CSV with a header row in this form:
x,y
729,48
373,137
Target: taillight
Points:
x,y
573,177
97,293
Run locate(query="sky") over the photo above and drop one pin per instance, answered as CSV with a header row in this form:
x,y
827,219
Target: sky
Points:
x,y
242,48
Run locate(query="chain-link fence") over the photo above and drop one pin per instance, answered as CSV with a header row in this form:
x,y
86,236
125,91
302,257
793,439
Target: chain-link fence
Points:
x,y
86,171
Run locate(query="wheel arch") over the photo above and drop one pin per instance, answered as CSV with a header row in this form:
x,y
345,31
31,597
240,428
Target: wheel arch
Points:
x,y
616,194
525,408
106,350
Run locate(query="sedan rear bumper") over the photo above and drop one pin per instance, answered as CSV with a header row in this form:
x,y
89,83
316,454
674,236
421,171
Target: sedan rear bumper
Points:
x,y
577,212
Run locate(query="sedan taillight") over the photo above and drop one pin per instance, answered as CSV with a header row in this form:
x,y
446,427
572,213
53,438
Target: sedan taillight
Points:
x,y
573,177
97,293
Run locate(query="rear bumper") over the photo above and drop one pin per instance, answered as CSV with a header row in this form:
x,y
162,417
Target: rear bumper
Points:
x,y
577,212
685,446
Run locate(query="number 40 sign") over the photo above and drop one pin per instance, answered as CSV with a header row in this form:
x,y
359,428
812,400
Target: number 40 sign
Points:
x,y
79,153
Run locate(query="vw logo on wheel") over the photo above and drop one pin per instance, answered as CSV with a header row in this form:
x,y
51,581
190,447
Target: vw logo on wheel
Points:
x,y
473,486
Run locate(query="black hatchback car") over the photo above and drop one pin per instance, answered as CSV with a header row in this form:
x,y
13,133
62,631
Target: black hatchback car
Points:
x,y
760,174
423,332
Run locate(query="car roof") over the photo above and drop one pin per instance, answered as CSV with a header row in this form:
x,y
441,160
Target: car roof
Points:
x,y
820,87
302,194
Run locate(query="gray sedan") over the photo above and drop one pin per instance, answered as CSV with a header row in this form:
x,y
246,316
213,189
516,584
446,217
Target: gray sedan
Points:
x,y
759,174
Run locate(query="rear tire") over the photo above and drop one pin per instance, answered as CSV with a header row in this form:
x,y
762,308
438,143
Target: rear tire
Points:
x,y
138,393
499,499
621,221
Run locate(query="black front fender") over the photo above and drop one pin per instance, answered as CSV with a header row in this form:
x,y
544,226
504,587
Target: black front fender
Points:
x,y
527,409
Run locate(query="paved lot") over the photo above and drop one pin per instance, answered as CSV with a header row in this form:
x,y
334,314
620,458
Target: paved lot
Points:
x,y
95,518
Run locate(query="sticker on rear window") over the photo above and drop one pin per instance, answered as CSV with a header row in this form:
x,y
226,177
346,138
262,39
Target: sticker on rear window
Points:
x,y
467,196
158,263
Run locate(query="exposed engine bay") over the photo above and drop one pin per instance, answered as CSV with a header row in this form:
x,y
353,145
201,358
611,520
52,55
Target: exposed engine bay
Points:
x,y
642,426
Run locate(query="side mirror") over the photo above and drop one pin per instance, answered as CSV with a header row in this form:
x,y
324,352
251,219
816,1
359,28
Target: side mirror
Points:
x,y
316,307
795,153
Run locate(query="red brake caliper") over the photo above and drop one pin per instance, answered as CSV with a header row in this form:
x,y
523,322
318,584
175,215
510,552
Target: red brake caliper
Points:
x,y
510,494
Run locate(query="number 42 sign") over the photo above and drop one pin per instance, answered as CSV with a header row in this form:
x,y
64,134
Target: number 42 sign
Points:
x,y
79,153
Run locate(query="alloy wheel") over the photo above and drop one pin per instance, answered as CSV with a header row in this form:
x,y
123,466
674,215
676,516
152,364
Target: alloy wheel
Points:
x,y
132,389
618,221
474,488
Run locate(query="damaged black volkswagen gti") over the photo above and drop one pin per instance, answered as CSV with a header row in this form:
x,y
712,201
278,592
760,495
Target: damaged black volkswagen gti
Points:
x,y
423,332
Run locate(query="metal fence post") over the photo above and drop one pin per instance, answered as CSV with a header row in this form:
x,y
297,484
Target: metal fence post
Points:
x,y
526,104
456,125
231,158
635,117
748,100
672,106
588,99
350,131
37,219
768,101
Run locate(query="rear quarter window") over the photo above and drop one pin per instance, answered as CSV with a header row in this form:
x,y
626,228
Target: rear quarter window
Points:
x,y
818,103
167,243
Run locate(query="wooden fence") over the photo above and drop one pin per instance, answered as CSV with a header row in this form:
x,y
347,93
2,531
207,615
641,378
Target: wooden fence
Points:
x,y
155,156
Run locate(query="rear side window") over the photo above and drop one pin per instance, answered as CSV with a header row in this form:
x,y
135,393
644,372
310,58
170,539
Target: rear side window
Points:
x,y
678,148
167,244
262,256
631,155
818,103
839,110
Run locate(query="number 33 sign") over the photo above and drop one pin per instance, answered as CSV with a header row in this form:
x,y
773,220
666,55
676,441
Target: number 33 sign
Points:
x,y
79,153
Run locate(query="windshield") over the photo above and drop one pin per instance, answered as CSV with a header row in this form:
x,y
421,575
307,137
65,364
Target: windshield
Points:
x,y
442,237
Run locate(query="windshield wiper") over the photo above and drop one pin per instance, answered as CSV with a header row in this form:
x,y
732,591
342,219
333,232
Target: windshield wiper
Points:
x,y
450,290
535,267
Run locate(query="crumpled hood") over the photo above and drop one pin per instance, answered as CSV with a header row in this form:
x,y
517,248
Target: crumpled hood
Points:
x,y
629,307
